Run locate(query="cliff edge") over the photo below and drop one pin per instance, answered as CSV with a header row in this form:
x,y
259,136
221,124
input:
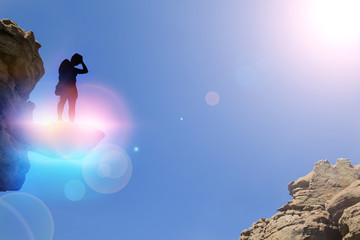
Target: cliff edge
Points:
x,y
20,69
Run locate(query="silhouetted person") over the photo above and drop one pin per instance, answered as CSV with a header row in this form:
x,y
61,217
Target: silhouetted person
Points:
x,y
66,87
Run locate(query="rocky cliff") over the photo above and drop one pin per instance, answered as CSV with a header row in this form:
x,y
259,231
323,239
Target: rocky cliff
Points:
x,y
325,206
20,69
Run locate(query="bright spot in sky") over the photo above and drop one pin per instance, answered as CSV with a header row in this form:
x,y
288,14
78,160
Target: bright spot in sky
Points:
x,y
74,190
107,169
62,140
98,107
181,118
212,98
136,149
30,215
336,20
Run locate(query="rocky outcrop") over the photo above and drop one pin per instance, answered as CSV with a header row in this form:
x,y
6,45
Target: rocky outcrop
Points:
x,y
20,69
325,206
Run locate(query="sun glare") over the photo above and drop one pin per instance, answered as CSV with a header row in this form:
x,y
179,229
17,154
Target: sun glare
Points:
x,y
97,107
336,20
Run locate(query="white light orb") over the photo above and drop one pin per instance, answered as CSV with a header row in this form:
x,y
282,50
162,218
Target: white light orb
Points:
x,y
212,98
107,169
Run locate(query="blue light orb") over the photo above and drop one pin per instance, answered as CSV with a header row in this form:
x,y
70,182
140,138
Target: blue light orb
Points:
x,y
74,190
34,214
107,169
136,149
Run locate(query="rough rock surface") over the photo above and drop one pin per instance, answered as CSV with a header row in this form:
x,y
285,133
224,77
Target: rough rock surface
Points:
x,y
349,223
325,206
20,69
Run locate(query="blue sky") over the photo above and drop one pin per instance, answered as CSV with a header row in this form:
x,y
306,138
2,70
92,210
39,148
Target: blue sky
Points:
x,y
288,98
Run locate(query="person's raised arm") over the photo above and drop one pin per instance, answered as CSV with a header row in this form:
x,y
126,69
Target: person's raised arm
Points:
x,y
84,70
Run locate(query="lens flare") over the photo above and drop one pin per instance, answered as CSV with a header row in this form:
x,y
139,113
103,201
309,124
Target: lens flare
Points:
x,y
61,140
104,170
212,98
107,169
13,226
97,107
34,213
336,21
74,190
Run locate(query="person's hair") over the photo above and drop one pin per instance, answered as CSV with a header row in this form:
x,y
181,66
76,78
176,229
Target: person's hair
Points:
x,y
76,59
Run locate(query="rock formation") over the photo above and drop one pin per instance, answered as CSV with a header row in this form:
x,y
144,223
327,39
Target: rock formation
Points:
x,y
325,206
20,69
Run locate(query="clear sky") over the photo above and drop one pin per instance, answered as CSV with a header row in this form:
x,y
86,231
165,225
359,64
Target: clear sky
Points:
x,y
288,79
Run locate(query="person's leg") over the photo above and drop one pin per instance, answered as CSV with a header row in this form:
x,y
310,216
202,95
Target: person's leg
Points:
x,y
60,107
72,102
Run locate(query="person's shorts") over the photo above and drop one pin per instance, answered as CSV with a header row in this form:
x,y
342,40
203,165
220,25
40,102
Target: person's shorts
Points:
x,y
69,92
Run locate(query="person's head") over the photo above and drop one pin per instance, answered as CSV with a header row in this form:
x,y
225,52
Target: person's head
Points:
x,y
76,59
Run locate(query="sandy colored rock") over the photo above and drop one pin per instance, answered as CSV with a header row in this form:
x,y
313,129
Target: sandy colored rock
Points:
x,y
344,199
20,69
325,206
323,182
294,225
350,223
